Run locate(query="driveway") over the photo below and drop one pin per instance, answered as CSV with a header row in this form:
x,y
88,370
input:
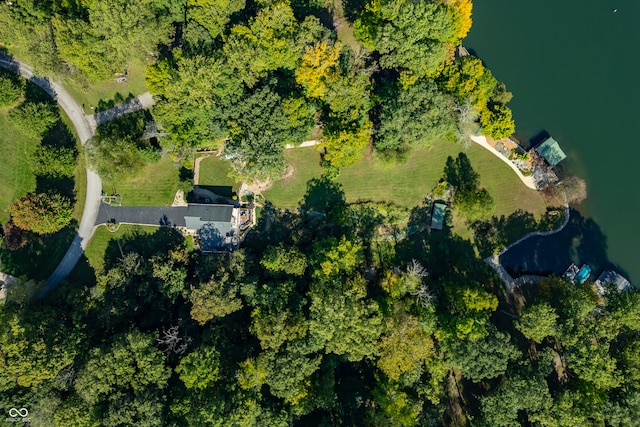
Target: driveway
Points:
x,y
166,216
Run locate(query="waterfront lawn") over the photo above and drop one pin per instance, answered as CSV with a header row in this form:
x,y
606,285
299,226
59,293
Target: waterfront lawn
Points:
x,y
407,184
156,185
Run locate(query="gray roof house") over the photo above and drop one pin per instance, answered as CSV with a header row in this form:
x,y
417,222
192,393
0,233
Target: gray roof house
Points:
x,y
215,225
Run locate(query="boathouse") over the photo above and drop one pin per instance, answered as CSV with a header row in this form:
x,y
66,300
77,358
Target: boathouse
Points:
x,y
551,152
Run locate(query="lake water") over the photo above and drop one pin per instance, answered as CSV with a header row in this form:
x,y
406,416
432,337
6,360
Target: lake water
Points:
x,y
574,70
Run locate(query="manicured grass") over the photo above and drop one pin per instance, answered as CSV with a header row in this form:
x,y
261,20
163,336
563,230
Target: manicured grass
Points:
x,y
215,172
16,178
98,246
156,186
407,184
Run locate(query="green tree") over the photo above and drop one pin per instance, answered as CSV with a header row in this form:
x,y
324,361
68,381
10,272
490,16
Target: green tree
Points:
x,y
486,358
405,348
343,319
112,35
10,90
115,158
217,297
56,162
516,395
213,15
497,122
538,322
200,368
417,115
278,259
34,118
475,205
417,37
126,374
42,213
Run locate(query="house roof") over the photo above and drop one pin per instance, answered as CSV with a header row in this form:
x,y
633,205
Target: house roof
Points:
x,y
213,224
613,277
437,217
551,151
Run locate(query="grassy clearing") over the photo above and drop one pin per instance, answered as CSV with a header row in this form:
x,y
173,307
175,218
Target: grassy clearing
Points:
x,y
215,172
90,94
98,246
16,178
156,186
407,184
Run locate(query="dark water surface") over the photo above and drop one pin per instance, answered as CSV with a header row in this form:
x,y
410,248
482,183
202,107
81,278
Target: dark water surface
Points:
x,y
574,69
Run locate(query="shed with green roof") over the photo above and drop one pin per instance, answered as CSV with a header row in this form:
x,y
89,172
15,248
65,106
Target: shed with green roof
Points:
x,y
550,150
437,216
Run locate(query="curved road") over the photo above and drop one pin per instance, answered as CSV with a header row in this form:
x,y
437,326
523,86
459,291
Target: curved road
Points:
x,y
84,130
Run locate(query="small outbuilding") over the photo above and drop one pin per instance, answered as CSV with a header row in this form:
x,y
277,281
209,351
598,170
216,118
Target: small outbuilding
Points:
x,y
612,279
550,150
437,215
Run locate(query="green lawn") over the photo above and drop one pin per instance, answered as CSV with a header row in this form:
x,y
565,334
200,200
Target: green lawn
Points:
x,y
215,172
156,186
98,246
16,178
408,183
90,94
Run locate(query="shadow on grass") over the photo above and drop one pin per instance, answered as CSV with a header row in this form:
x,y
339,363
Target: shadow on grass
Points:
x,y
144,244
118,98
324,196
581,241
40,256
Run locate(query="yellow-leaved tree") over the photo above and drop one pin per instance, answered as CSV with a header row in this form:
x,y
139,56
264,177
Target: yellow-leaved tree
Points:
x,y
319,68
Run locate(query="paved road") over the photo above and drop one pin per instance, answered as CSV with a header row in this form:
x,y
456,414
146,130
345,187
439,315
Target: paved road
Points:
x,y
85,127
166,216
129,106
84,130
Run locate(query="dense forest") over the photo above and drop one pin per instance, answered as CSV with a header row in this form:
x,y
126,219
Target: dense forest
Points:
x,y
337,314
353,316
